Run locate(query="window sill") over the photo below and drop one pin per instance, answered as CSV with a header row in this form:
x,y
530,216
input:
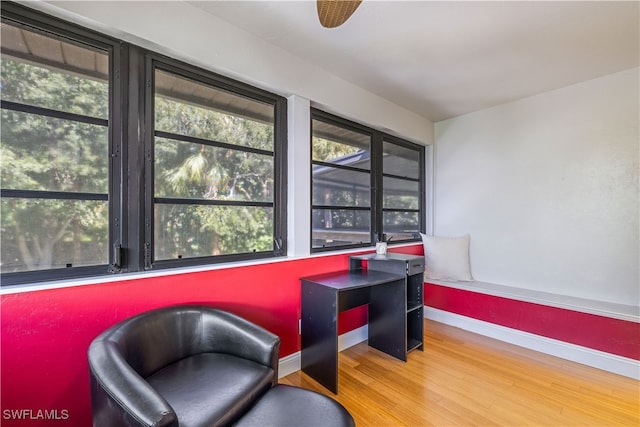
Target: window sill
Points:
x,y
114,278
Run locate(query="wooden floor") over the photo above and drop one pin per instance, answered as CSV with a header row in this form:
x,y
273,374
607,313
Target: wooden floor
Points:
x,y
464,379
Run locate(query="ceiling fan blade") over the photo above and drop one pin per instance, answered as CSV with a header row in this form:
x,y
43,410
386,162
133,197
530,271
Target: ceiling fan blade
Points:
x,y
333,13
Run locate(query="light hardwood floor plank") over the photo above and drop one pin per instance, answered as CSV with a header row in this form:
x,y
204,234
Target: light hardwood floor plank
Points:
x,y
465,379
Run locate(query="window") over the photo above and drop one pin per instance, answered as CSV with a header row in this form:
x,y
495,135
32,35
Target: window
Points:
x,y
55,146
341,185
117,159
349,163
216,165
402,189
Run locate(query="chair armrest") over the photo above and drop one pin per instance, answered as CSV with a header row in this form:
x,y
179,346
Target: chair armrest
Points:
x,y
119,395
231,334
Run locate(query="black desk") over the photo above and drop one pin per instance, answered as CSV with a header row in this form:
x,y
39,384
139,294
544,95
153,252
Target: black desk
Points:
x,y
326,295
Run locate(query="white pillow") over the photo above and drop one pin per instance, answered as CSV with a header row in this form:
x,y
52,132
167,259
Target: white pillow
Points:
x,y
447,258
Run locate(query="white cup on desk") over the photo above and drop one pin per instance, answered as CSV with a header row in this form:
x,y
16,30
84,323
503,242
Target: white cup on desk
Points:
x,y
381,248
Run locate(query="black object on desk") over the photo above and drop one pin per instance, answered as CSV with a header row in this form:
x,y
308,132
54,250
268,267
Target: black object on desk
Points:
x,y
326,295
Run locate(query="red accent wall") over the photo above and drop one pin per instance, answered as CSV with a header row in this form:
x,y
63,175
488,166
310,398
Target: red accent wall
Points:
x,y
45,334
602,333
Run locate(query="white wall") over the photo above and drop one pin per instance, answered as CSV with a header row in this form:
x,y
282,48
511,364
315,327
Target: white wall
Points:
x,y
182,31
547,187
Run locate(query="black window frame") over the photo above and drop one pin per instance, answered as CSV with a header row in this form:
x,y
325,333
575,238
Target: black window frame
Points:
x,y
421,181
376,176
24,17
130,130
153,62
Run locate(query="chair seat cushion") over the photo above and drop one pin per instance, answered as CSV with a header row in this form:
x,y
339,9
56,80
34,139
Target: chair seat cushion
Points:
x,y
288,406
211,389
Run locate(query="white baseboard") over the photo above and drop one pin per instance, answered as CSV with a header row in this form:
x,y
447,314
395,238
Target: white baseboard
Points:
x,y
575,353
291,363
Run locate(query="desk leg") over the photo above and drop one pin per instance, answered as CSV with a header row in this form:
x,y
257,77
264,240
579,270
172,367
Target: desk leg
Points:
x,y
319,356
387,319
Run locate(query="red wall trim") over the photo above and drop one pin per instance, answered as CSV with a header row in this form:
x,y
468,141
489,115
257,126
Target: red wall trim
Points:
x,y
45,334
602,333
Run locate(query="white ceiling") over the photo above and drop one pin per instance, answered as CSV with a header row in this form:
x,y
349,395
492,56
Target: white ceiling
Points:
x,y
441,59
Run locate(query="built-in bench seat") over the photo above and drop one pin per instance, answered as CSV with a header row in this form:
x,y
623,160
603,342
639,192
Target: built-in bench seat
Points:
x,y
601,308
601,334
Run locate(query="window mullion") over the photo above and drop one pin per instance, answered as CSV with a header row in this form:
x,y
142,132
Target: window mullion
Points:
x,y
146,116
376,187
132,178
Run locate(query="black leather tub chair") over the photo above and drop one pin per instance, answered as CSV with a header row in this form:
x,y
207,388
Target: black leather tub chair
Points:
x,y
194,366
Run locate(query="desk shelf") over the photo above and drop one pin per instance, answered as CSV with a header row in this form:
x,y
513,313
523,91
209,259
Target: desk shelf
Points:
x,y
412,268
414,344
413,305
